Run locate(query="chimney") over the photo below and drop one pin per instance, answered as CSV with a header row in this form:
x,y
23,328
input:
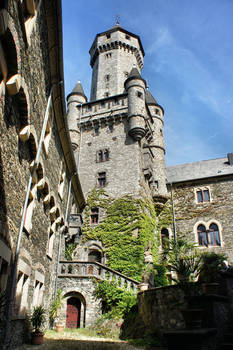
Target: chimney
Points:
x,y
230,158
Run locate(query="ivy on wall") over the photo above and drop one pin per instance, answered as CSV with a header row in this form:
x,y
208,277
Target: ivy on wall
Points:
x,y
127,229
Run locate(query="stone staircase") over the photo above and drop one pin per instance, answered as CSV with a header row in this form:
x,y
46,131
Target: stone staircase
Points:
x,y
95,269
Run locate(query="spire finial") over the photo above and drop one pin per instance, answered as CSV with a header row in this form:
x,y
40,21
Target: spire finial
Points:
x,y
117,20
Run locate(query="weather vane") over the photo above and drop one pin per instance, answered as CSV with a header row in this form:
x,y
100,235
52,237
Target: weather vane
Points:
x,y
117,19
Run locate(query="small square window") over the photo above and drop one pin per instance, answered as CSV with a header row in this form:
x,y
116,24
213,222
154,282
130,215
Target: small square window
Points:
x,y
102,179
115,102
139,94
203,195
108,35
102,104
89,108
127,37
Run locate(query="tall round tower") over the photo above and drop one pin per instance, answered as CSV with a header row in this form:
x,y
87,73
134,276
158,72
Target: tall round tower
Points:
x,y
157,145
135,86
76,97
113,53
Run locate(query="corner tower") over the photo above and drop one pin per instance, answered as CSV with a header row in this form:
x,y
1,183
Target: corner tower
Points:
x,y
113,54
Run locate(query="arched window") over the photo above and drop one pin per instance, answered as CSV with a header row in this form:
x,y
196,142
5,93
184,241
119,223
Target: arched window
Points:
x,y
202,235
213,235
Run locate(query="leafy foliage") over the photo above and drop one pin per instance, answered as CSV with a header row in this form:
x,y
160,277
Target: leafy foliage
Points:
x,y
183,258
38,318
125,232
69,251
116,301
160,278
56,306
211,264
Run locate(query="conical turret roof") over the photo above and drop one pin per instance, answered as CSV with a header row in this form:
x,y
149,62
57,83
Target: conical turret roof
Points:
x,y
150,100
78,88
134,74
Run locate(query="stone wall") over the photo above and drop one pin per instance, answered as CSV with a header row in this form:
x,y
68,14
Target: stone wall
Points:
x,y
189,213
82,288
23,105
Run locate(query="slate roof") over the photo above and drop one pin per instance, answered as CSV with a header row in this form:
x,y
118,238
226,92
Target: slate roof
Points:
x,y
78,88
199,170
150,100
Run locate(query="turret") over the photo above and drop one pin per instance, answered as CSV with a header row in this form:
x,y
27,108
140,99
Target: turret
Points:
x,y
159,189
135,86
76,97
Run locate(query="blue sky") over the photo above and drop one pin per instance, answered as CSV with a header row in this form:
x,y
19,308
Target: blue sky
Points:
x,y
188,64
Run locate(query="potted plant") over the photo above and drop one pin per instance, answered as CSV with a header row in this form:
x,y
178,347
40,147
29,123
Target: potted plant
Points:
x,y
55,311
212,264
37,321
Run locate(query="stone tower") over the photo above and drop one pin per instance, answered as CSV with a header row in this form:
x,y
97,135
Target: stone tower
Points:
x,y
119,133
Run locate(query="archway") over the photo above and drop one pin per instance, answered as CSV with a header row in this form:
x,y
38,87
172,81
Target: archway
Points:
x,y
73,313
75,310
95,255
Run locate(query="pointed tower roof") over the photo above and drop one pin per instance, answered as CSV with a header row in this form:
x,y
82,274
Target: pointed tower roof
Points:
x,y
150,100
134,74
77,90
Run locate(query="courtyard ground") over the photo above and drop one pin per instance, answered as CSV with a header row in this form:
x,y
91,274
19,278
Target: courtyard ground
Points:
x,y
82,340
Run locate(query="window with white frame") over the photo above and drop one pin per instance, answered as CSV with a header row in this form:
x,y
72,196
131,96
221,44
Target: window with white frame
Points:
x,y
21,295
51,238
62,180
208,235
202,195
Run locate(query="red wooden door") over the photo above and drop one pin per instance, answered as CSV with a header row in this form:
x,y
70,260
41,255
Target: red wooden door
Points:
x,y
73,313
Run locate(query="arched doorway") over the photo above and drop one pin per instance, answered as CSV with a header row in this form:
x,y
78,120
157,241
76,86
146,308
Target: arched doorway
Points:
x,y
73,313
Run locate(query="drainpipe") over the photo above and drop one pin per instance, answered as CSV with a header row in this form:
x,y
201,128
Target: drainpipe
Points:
x,y
173,213
61,232
16,258
79,152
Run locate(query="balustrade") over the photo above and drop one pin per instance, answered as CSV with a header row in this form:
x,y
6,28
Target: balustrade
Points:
x,y
97,270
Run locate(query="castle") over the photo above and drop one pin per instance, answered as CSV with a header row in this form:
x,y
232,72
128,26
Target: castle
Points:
x,y
94,179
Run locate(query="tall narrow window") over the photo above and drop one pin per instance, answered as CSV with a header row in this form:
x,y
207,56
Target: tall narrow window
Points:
x,y
21,298
38,289
202,235
213,235
102,179
94,216
106,154
100,156
62,180
164,237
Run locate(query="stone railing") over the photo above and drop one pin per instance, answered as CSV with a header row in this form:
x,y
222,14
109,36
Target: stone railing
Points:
x,y
97,270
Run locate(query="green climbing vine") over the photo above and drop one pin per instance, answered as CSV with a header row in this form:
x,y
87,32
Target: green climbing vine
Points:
x,y
126,231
